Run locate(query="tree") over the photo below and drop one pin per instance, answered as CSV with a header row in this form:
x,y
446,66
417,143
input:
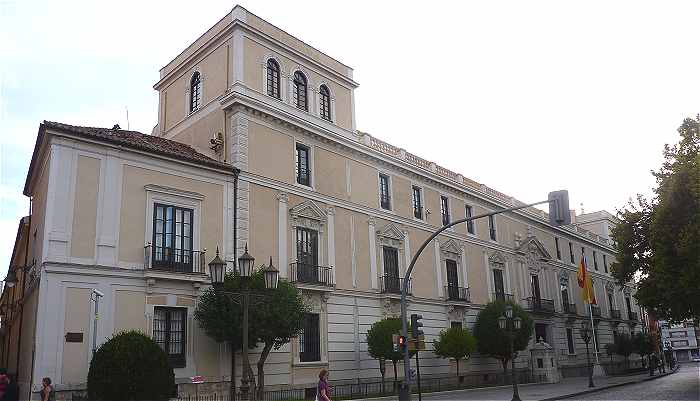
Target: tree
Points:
x,y
643,344
493,341
272,323
624,346
658,239
130,366
380,344
456,343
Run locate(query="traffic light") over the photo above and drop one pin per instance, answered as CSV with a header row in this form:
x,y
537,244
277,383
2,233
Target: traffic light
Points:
x,y
402,343
559,214
416,324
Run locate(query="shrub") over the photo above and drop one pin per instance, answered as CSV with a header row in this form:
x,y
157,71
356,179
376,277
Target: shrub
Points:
x,y
130,367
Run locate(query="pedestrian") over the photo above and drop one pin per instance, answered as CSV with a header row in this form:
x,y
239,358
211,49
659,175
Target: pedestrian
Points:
x,y
323,390
661,366
4,380
47,393
652,364
12,391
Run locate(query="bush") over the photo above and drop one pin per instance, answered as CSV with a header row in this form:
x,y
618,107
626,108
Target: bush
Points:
x,y
130,366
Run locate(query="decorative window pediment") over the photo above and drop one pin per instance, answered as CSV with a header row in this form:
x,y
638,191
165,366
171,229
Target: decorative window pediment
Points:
x,y
451,246
533,248
610,287
564,278
390,235
308,214
497,259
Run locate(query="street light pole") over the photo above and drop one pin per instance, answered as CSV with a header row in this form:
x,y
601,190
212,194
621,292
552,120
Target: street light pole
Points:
x,y
558,215
245,378
586,337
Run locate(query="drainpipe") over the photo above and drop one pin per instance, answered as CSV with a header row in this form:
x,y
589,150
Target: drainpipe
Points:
x,y
24,282
236,172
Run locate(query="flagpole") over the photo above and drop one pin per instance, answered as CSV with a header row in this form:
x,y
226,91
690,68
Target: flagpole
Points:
x,y
595,342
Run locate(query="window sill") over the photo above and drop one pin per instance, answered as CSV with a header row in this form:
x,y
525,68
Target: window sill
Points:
x,y
311,364
306,187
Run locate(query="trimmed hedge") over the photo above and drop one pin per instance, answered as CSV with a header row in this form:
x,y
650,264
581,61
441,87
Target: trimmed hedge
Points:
x,y
130,367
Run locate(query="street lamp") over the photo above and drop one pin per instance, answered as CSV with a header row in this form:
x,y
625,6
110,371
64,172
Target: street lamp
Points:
x,y
11,279
246,262
585,331
511,324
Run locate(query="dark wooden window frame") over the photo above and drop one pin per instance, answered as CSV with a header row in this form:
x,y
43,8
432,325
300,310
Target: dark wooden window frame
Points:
x,y
445,209
303,165
469,212
310,338
177,360
417,202
556,244
324,95
273,78
301,91
160,255
195,91
384,192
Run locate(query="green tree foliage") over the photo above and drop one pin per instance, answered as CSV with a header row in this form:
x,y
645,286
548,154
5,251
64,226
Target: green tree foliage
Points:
x,y
643,344
455,343
380,344
659,239
624,346
130,366
272,323
493,341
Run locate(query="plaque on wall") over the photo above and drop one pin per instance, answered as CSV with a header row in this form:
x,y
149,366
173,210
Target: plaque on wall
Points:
x,y
74,337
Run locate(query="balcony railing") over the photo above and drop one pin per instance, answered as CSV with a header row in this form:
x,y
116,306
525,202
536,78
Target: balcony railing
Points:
x,y
595,310
393,284
632,316
614,313
502,296
310,274
569,308
540,305
174,260
455,293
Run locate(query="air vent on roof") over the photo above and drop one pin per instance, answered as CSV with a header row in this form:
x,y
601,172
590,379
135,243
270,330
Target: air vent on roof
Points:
x,y
116,126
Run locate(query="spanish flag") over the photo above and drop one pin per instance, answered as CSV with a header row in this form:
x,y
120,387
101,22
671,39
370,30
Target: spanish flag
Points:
x,y
584,281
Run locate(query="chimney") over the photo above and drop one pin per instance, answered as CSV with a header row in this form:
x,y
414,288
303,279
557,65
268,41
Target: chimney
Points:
x,y
573,216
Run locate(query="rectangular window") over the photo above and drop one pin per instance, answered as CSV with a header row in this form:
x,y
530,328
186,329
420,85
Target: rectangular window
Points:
x,y
556,245
392,282
570,341
303,165
541,332
456,325
445,210
169,332
384,191
172,238
307,255
583,255
605,263
595,261
571,252
629,305
310,339
611,300
417,203
498,288
683,343
469,212
535,287
492,228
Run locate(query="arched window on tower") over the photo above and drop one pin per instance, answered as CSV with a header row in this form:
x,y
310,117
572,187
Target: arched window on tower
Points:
x,y
300,91
195,91
273,78
325,102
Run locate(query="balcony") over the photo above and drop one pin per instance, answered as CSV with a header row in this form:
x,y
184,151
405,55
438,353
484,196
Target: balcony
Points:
x,y
632,316
503,297
171,260
310,274
455,293
569,309
539,305
615,314
393,285
595,310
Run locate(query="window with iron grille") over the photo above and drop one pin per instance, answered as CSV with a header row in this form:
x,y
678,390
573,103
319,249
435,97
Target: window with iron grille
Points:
x,y
570,340
583,256
310,339
300,91
169,332
605,262
456,325
384,197
303,170
595,261
325,102
172,237
445,210
492,228
417,203
195,91
571,252
556,244
273,78
469,212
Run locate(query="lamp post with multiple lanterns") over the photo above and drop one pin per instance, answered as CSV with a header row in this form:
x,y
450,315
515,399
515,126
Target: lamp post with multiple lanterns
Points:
x,y
586,337
511,324
217,271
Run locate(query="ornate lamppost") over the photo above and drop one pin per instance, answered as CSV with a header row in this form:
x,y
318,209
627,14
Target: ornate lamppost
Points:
x,y
511,324
586,331
217,271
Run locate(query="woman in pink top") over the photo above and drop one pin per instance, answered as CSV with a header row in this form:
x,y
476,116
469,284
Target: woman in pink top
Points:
x,y
323,391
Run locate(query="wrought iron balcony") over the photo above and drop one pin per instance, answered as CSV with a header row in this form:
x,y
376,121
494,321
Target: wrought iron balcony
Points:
x,y
569,308
311,274
393,284
632,316
614,314
595,310
502,296
455,293
174,260
540,305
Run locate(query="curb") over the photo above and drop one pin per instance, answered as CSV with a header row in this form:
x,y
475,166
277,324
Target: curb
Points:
x,y
596,389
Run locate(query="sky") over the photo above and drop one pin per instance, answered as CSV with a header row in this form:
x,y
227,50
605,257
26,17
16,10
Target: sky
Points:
x,y
523,96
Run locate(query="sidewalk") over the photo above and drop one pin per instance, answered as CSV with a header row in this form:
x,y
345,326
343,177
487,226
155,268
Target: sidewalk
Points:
x,y
569,387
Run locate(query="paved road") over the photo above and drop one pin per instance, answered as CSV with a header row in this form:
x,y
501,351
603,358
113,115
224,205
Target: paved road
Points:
x,y
682,385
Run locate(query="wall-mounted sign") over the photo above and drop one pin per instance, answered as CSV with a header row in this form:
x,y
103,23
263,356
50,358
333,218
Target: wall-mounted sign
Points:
x,y
74,337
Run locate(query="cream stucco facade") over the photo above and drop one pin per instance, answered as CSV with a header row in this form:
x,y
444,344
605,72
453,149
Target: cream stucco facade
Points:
x,y
94,207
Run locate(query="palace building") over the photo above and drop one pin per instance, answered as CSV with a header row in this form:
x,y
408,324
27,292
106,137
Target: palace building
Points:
x,y
130,221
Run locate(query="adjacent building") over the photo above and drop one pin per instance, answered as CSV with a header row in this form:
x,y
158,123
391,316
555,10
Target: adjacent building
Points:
x,y
680,339
129,221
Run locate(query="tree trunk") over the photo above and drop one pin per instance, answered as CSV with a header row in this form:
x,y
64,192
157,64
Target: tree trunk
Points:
x,y
382,371
261,372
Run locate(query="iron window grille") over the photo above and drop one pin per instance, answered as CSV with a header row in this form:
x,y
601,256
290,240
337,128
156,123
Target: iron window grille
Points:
x,y
301,91
571,252
303,171
417,203
556,244
325,102
273,78
384,197
570,341
310,339
492,228
455,325
469,212
170,333
195,91
445,210
172,237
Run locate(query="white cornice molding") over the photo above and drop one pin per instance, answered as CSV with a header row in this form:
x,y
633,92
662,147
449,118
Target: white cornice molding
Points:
x,y
173,191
